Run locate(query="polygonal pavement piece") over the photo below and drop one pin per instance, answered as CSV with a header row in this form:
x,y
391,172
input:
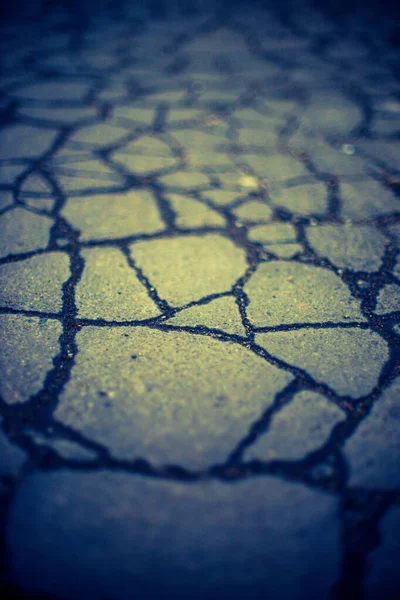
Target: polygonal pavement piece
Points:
x,y
273,233
277,238
188,179
145,155
27,348
221,313
297,429
221,197
275,167
80,176
173,397
283,293
327,158
23,231
331,113
253,211
203,148
42,204
302,199
35,183
35,283
373,450
350,247
10,172
184,114
141,115
388,299
258,136
185,268
100,134
192,213
114,535
114,215
348,360
367,198
109,288
25,141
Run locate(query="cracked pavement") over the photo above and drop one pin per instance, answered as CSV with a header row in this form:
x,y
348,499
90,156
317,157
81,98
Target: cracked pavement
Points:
x,y
199,302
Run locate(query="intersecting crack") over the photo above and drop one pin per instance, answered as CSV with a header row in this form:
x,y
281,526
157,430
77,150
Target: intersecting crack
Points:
x,y
177,224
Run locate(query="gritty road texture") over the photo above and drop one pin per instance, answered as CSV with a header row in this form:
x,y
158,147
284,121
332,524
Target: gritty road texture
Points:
x,y
199,303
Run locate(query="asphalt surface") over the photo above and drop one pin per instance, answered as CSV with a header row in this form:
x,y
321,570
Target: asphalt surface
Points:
x,y
199,301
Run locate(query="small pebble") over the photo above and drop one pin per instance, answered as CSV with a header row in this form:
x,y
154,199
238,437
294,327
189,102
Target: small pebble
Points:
x,y
348,149
248,181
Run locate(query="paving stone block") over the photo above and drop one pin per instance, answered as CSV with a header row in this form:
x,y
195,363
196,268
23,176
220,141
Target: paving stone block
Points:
x,y
187,268
373,451
99,134
28,345
169,397
25,141
191,213
221,197
275,167
110,289
35,283
348,360
388,299
283,293
348,246
366,198
299,428
23,231
78,176
221,313
116,215
202,148
301,199
145,155
253,211
332,113
70,533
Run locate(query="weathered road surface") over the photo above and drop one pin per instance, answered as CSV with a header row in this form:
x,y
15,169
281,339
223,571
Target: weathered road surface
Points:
x,y
199,304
